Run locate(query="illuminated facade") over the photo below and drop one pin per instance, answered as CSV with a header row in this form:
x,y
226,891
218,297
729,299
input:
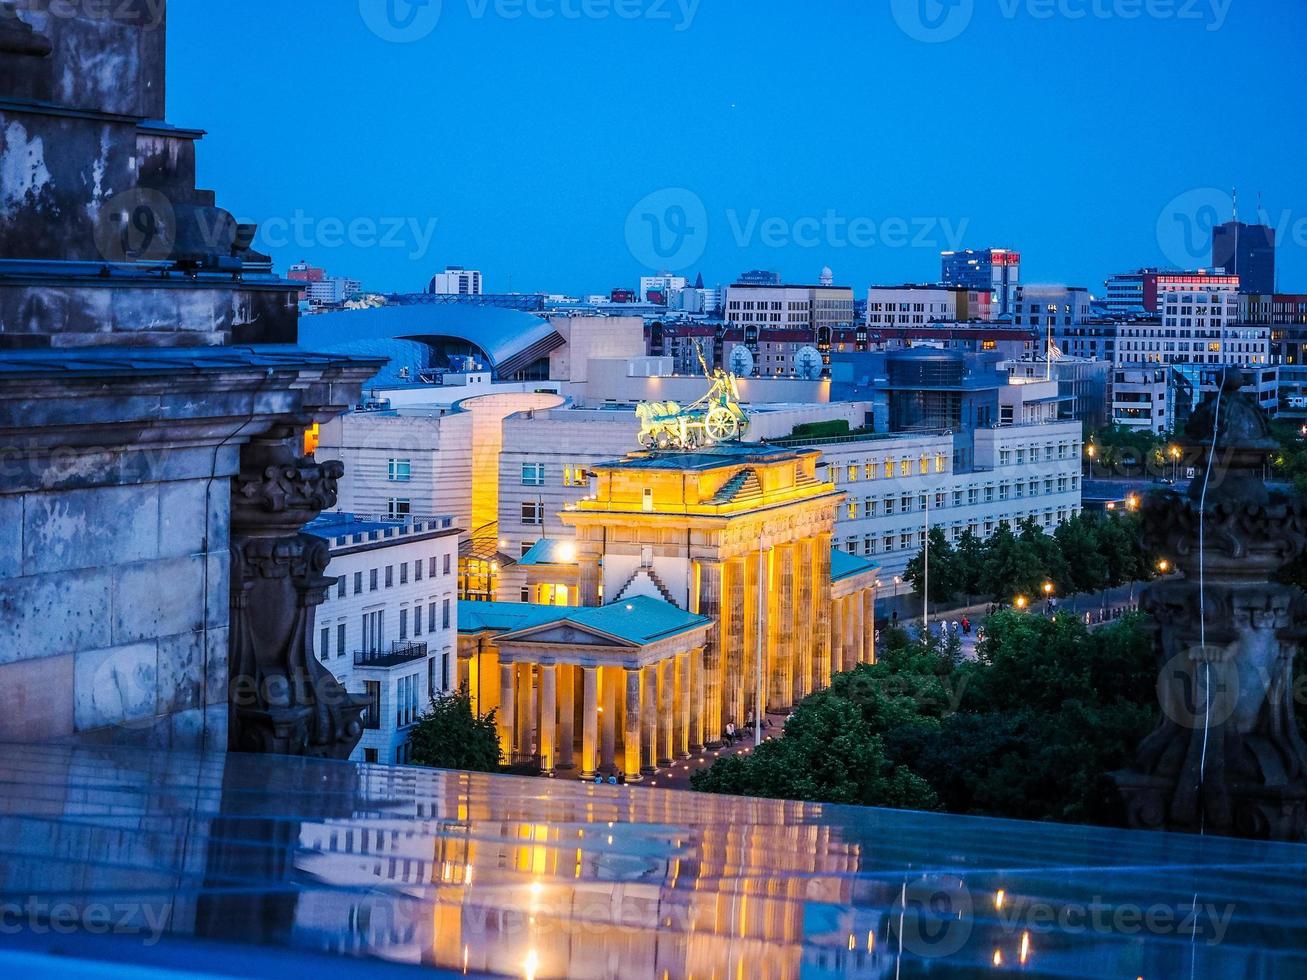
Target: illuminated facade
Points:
x,y
703,587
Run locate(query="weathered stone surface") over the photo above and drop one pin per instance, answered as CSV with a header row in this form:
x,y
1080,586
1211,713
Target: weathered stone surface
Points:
x,y
158,598
191,513
181,673
117,686
46,615
11,535
34,698
89,528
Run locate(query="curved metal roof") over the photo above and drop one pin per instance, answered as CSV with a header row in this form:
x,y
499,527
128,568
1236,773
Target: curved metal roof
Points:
x,y
505,336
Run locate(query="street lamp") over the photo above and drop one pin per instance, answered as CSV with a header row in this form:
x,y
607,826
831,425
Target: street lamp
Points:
x,y
1163,566
1132,502
1176,452
1021,602
1091,451
1048,595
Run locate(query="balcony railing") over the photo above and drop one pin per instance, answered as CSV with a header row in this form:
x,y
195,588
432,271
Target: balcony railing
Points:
x,y
400,653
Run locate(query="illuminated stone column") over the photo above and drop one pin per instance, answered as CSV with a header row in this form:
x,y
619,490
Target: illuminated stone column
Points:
x,y
665,681
649,718
526,709
821,619
836,637
589,722
755,597
801,617
696,700
732,633
548,715
681,718
566,715
631,735
608,720
710,592
588,581
507,708
851,607
781,614
868,600
859,628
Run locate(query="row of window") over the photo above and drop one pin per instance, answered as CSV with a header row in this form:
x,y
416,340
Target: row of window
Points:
x,y
372,630
870,469
435,566
873,507
871,544
1033,454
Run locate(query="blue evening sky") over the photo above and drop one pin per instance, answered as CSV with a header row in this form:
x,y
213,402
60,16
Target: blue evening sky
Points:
x,y
574,145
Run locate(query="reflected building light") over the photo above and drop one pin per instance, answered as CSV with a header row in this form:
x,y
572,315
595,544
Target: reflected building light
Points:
x,y
1025,947
530,965
998,957
1000,898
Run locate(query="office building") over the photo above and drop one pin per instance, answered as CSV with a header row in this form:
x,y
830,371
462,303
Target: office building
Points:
x,y
995,270
776,323
1139,293
661,290
915,305
1286,314
1246,251
456,281
388,628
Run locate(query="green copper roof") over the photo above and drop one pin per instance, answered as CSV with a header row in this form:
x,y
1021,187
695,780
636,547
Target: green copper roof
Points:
x,y
639,620
844,565
550,551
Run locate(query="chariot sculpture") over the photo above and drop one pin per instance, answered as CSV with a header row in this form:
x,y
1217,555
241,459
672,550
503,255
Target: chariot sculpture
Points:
x,y
715,418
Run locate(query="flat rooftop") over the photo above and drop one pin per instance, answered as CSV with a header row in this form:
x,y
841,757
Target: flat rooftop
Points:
x,y
266,866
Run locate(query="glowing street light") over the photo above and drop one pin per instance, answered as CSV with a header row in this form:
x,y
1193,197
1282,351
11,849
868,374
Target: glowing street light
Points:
x,y
1163,566
1132,502
1091,451
1021,602
1048,595
1175,453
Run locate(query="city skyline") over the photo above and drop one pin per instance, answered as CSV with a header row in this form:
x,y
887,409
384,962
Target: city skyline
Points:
x,y
825,161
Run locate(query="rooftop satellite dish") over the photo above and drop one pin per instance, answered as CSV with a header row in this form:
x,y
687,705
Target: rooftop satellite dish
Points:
x,y
741,362
807,363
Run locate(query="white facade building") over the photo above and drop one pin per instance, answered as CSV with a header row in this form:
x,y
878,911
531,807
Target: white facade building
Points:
x,y
913,305
670,286
899,485
456,281
388,628
1141,397
331,291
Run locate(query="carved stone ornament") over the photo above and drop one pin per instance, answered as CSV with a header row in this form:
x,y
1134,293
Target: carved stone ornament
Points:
x,y
282,699
1227,757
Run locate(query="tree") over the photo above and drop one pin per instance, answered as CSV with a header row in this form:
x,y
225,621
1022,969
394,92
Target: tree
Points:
x,y
970,563
1078,541
1031,730
945,580
451,735
828,755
